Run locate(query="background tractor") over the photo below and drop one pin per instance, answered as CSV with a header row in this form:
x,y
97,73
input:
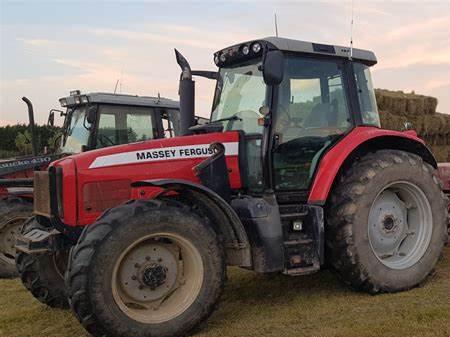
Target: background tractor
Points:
x,y
91,121
293,172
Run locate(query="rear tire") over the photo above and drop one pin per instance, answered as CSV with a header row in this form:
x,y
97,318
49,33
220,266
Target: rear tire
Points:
x,y
13,213
123,279
386,222
43,274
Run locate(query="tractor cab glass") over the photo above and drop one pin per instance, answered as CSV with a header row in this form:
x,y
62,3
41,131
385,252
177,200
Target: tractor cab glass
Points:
x,y
366,95
240,94
312,113
78,130
124,124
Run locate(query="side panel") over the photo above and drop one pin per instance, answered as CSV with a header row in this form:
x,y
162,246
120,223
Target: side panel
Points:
x,y
333,160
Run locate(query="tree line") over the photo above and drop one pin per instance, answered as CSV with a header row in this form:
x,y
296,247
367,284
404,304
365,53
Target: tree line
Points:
x,y
15,140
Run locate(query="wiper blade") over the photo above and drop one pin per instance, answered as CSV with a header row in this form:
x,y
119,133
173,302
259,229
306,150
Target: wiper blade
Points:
x,y
231,118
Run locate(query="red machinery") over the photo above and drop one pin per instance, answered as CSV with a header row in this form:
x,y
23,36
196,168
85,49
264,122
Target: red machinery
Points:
x,y
292,171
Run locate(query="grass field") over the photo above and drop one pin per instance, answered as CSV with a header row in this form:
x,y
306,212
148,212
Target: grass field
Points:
x,y
277,305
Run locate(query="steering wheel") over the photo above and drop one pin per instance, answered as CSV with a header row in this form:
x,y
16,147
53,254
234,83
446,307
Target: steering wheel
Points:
x,y
241,116
103,139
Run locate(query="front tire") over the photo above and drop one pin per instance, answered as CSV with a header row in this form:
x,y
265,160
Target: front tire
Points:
x,y
386,222
146,268
43,274
13,213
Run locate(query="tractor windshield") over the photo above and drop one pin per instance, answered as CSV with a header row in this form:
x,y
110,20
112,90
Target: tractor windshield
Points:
x,y
240,93
77,132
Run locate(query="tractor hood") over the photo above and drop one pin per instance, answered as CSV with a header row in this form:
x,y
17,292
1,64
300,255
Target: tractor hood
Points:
x,y
102,178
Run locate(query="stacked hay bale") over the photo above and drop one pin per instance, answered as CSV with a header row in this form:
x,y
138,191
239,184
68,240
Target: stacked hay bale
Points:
x,y
397,108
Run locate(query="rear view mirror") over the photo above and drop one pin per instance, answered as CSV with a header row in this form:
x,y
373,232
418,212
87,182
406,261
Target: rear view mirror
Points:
x,y
273,67
91,114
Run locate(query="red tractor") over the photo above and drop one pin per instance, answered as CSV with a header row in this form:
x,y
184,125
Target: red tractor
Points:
x,y
91,121
293,172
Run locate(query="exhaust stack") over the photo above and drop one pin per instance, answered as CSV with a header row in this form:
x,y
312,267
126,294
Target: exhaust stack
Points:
x,y
187,95
32,126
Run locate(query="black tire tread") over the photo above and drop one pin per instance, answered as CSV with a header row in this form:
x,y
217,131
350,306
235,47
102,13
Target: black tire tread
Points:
x,y
34,272
340,213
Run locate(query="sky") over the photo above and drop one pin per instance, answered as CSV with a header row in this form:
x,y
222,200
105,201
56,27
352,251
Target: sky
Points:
x,y
48,48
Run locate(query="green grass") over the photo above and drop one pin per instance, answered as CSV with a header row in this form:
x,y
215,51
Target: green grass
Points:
x,y
262,305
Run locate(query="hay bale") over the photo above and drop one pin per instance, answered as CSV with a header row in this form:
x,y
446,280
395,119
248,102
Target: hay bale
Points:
x,y
400,103
396,108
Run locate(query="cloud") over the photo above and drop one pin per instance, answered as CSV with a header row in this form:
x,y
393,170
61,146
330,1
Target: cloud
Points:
x,y
423,27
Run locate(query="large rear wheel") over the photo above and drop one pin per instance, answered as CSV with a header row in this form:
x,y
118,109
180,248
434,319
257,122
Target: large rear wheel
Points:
x,y
13,213
146,268
386,222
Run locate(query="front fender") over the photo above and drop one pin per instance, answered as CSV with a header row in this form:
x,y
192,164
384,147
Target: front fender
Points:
x,y
358,142
224,219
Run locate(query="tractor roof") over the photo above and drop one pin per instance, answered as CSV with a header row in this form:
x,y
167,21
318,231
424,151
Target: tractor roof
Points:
x,y
297,46
317,48
122,99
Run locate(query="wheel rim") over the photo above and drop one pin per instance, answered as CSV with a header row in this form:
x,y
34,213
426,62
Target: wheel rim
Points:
x,y
8,234
157,278
400,225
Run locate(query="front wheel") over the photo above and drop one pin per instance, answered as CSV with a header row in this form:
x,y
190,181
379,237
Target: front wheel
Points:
x,y
43,274
13,213
146,268
386,222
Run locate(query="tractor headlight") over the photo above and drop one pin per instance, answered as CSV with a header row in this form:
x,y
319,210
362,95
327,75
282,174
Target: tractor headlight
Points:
x,y
77,100
84,99
222,57
216,59
256,47
245,49
63,102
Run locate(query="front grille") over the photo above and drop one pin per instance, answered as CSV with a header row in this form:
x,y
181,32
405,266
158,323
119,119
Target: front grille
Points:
x,y
41,193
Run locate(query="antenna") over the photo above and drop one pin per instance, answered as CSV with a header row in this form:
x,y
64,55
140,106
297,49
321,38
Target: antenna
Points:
x,y
351,35
115,88
276,25
121,80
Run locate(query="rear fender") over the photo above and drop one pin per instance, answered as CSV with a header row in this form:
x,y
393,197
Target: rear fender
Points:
x,y
357,143
223,218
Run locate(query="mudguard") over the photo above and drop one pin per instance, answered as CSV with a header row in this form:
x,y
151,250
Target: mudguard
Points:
x,y
356,143
223,218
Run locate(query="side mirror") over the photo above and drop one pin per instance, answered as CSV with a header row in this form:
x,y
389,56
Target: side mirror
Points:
x,y
91,114
51,118
273,67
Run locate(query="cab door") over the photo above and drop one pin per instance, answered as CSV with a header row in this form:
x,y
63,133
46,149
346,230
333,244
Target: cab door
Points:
x,y
311,115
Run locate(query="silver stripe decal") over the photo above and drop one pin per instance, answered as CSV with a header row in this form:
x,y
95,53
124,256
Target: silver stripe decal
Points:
x,y
160,154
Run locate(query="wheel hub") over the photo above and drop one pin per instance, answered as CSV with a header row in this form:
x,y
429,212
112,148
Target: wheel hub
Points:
x,y
157,277
154,276
400,223
389,223
149,272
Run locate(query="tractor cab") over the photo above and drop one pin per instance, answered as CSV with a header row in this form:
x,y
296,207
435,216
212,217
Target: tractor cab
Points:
x,y
98,120
293,101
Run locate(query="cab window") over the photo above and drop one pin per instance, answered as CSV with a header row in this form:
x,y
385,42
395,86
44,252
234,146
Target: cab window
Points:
x,y
366,95
124,124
